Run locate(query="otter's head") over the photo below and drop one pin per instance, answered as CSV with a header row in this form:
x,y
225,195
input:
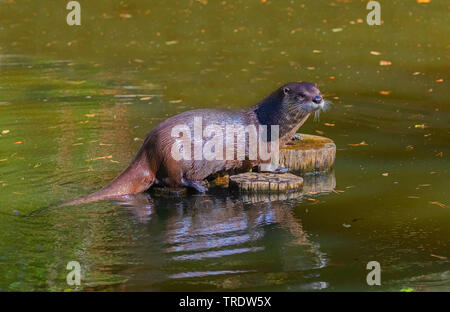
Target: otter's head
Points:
x,y
303,96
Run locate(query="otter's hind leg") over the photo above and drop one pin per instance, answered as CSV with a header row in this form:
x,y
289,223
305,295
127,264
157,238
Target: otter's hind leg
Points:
x,y
194,184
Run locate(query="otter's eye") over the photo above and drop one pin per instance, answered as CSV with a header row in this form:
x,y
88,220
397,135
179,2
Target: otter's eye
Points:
x,y
301,95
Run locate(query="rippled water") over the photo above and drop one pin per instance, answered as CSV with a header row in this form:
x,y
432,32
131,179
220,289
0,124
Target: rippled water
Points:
x,y
76,103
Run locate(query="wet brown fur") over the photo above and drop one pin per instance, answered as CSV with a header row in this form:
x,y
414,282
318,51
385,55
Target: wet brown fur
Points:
x,y
153,162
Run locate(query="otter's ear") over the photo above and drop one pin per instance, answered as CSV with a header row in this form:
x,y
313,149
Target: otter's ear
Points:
x,y
286,90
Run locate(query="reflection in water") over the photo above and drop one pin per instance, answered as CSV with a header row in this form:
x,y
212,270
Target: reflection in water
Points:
x,y
201,232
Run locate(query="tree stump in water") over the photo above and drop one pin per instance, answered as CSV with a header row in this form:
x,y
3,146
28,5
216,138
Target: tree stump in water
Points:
x,y
250,182
311,153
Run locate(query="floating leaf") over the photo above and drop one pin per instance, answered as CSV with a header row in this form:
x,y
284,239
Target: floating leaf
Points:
x,y
439,257
363,143
101,157
385,63
438,204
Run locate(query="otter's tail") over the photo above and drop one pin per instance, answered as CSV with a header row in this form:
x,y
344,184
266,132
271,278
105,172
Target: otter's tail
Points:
x,y
137,178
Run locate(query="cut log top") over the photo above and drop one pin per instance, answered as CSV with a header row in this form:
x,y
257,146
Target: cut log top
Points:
x,y
266,182
310,154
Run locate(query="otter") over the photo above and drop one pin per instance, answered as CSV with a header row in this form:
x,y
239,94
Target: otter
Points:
x,y
288,107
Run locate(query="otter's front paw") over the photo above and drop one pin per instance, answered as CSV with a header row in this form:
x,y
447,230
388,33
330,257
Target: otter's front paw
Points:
x,y
281,170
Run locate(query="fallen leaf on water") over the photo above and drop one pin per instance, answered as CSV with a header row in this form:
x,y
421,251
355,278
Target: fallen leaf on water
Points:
x,y
416,73
421,126
319,132
138,61
37,165
18,142
409,148
385,63
438,204
89,115
101,157
338,191
125,15
440,154
346,225
375,53
423,1
336,29
317,51
5,131
145,98
171,42
363,143
407,289
385,174
439,257
329,124
312,199
385,92
4,159
440,80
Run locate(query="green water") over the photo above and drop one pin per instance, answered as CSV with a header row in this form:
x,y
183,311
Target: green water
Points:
x,y
69,95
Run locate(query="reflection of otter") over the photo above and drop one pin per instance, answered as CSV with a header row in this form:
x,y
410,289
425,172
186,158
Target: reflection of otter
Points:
x,y
288,107
206,230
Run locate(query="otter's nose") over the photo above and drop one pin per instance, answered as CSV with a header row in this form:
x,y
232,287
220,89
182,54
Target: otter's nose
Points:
x,y
317,99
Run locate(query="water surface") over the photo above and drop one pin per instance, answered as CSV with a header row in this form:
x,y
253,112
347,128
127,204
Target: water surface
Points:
x,y
76,103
